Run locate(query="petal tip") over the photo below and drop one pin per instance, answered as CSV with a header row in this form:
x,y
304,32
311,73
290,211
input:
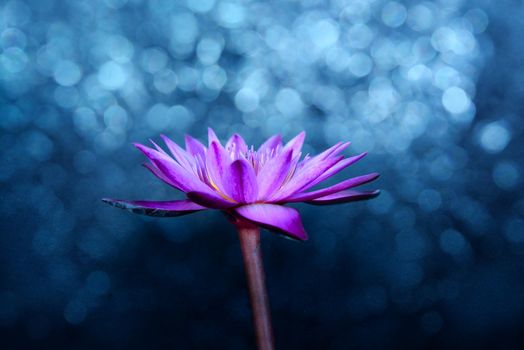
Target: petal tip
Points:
x,y
111,202
302,236
165,138
211,135
142,148
298,239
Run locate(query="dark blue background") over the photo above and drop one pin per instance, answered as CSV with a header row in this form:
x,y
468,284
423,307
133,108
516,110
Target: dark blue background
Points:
x,y
433,90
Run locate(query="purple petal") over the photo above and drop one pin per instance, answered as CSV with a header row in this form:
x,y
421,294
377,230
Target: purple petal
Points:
x,y
340,148
273,174
194,147
240,182
210,200
152,168
272,143
180,177
330,152
217,161
236,145
158,148
275,217
345,197
181,156
333,150
341,186
335,169
155,208
303,177
296,143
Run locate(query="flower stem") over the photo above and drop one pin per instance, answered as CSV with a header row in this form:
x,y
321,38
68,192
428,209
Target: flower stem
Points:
x,y
249,236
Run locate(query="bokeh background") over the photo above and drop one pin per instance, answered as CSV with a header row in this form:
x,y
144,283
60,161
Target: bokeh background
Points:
x,y
432,89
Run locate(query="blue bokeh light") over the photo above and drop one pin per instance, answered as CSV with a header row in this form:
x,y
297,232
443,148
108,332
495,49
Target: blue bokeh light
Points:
x,y
431,89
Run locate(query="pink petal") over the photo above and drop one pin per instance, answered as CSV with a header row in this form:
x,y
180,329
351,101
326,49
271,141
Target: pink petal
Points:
x,y
341,186
273,174
275,217
156,208
240,182
344,197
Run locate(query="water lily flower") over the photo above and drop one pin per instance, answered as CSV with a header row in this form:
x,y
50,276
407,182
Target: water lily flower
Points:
x,y
249,185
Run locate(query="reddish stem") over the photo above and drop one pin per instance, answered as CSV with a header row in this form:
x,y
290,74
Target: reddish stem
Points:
x,y
249,236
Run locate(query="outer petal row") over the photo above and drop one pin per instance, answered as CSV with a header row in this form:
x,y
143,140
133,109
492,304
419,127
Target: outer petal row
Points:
x,y
274,217
157,208
341,186
345,197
